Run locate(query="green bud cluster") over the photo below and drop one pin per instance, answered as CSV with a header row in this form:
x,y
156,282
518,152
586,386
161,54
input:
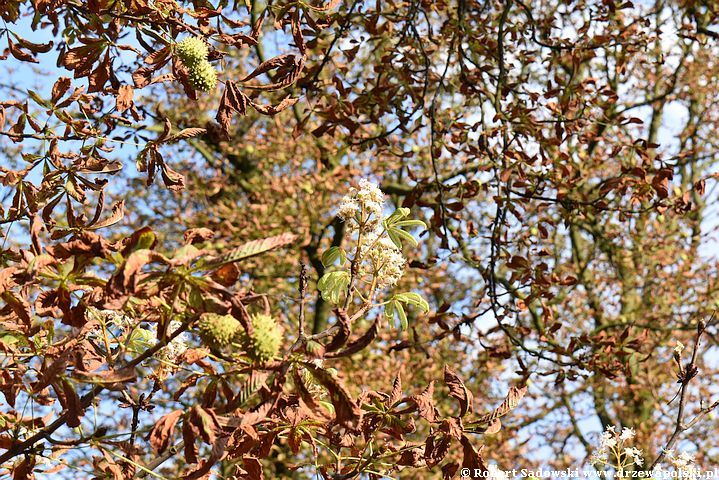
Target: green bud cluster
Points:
x,y
218,331
193,52
266,339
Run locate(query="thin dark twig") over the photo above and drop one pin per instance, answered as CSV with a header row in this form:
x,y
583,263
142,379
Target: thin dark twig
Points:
x,y
685,375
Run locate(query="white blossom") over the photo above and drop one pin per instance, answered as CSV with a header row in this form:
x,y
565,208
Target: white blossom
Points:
x,y
349,208
679,348
614,450
635,454
684,462
681,461
178,345
362,207
382,259
627,434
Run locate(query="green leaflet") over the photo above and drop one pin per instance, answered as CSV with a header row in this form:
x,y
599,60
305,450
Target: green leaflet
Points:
x,y
333,285
394,226
332,254
395,306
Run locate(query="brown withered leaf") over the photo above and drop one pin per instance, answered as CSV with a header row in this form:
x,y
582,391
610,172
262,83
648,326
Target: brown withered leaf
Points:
x,y
325,8
347,411
413,457
35,47
206,422
162,432
46,304
425,404
109,379
84,243
108,466
343,333
189,433
173,180
81,59
100,75
60,88
449,470
19,53
23,470
472,458
288,66
514,396
232,101
72,404
458,390
274,109
6,278
49,373
127,276
493,427
284,60
660,182
358,344
19,306
185,133
160,57
436,448
252,248
252,469
396,394
142,77
297,32
197,235
118,213
124,98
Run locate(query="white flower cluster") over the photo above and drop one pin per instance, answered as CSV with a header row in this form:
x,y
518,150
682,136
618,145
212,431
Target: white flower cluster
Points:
x,y
178,345
362,209
613,450
684,462
364,205
140,337
382,259
109,318
635,454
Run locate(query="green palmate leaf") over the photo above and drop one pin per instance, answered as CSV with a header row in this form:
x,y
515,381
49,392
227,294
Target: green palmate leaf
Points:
x,y
411,223
332,254
140,340
397,235
396,216
395,306
253,248
394,224
333,284
414,299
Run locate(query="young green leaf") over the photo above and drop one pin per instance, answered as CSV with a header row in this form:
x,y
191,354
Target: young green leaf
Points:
x,y
333,284
414,299
332,254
